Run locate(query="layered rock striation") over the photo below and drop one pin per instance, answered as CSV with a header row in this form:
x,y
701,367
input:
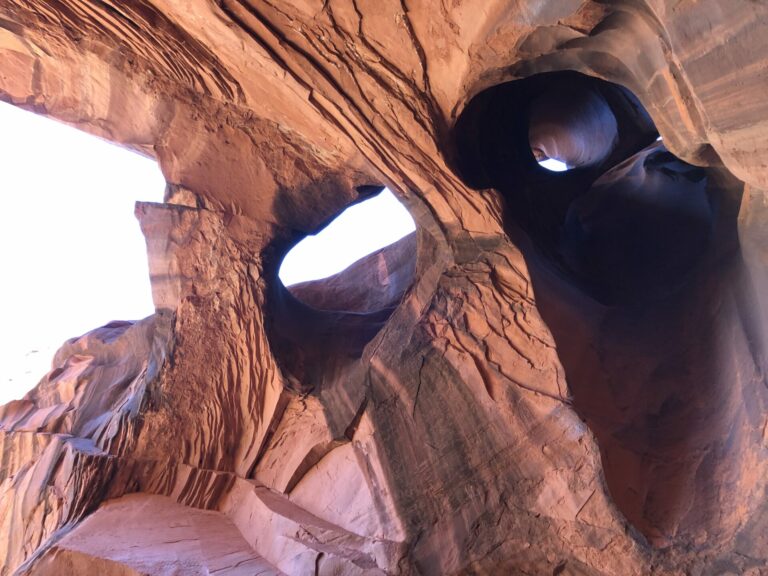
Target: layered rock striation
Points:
x,y
558,373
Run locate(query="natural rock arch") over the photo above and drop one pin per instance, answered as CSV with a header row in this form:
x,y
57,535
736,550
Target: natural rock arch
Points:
x,y
638,272
451,439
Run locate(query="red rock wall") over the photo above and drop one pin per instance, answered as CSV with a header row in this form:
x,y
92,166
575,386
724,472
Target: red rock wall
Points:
x,y
446,436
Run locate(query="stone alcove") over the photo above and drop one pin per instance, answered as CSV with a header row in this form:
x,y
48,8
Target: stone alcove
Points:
x,y
450,445
637,269
321,327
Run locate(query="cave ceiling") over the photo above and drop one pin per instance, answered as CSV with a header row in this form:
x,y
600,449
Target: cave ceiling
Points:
x,y
557,373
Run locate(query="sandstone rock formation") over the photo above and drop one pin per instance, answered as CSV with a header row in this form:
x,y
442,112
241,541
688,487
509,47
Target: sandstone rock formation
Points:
x,y
559,373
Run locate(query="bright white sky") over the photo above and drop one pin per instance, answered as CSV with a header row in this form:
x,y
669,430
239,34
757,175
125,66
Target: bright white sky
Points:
x,y
356,232
553,165
557,166
71,253
73,257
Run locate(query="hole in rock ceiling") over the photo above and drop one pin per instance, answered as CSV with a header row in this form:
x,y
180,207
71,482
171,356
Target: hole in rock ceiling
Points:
x,y
73,255
553,165
574,127
360,230
626,221
630,253
338,288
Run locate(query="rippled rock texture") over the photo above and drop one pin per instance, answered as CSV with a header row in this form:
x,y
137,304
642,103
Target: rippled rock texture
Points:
x,y
558,373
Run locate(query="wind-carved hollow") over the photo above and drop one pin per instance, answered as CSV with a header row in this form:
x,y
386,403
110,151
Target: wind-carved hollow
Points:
x,y
328,320
577,128
640,230
637,271
628,221
362,261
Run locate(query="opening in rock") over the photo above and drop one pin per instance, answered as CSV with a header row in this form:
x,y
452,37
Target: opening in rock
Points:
x,y
360,267
358,262
642,238
73,257
575,126
553,165
635,263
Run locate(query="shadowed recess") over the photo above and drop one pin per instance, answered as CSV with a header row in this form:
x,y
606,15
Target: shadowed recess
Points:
x,y
649,228
371,247
637,272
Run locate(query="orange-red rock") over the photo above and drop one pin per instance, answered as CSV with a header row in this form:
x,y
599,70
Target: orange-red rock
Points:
x,y
522,387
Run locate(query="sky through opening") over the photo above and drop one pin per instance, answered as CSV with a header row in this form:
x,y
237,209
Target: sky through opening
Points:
x,y
359,230
553,165
73,257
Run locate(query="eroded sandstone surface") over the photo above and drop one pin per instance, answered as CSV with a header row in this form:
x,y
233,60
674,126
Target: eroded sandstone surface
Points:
x,y
558,373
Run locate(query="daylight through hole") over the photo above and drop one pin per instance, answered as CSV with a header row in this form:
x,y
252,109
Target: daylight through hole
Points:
x,y
77,256
359,230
